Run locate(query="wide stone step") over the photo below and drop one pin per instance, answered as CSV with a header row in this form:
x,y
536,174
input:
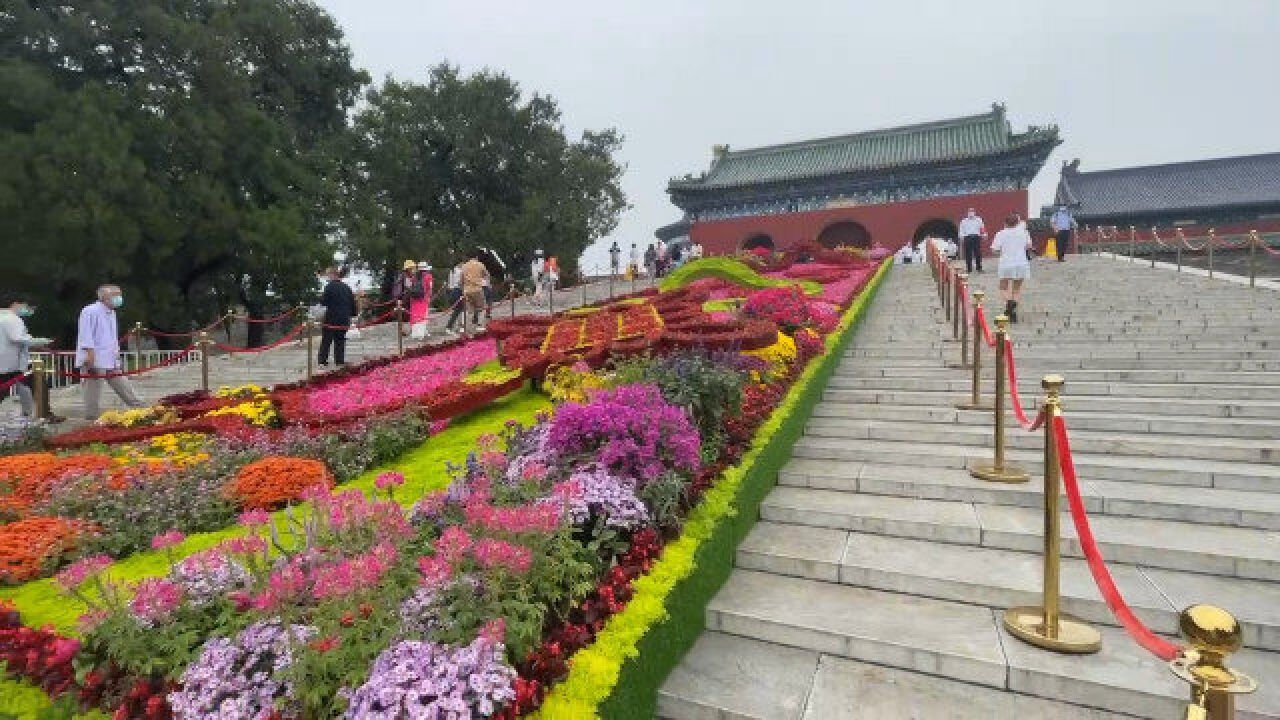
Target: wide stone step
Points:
x,y
1030,386
1144,445
1214,550
1035,371
1001,579
959,642
1181,407
733,677
1209,506
1105,422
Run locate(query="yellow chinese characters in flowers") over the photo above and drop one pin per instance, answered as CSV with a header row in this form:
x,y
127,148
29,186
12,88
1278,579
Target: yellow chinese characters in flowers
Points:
x,y
239,391
779,356
180,449
257,409
572,383
137,417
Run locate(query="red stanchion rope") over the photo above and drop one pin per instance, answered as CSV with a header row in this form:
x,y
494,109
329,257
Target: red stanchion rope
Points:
x,y
284,339
10,383
1016,401
193,333
1222,243
361,326
1263,244
980,319
1190,246
126,373
263,321
1140,633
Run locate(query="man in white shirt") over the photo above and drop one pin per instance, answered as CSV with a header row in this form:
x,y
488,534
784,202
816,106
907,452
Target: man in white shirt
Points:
x,y
950,247
98,351
972,231
903,256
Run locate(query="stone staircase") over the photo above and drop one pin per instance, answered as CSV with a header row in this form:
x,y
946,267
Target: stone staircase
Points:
x,y
873,585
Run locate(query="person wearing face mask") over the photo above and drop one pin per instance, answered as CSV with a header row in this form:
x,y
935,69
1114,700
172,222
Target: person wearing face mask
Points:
x,y
971,233
15,356
98,351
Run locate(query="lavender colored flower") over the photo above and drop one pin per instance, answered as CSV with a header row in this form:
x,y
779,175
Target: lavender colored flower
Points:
x,y
239,679
593,491
414,679
208,575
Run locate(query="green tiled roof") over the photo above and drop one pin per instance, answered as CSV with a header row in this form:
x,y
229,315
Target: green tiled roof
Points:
x,y
922,144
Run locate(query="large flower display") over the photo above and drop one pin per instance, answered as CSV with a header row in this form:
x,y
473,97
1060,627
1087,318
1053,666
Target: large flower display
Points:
x,y
266,589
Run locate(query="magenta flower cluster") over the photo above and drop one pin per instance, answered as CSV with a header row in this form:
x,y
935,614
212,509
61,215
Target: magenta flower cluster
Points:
x,y
631,431
408,378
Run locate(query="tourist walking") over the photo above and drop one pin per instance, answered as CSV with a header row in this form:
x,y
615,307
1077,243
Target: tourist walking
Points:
x,y
1063,226
615,258
15,357
633,262
98,351
408,288
537,269
651,261
420,303
971,233
339,307
456,306
551,276
1013,244
474,277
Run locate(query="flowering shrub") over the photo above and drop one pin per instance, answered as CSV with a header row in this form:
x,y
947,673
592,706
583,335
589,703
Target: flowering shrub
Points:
x,y
135,417
594,492
425,679
572,383
631,431
260,412
28,547
275,481
240,679
779,358
786,306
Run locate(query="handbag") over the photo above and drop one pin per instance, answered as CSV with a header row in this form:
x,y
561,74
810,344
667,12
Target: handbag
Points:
x,y
353,332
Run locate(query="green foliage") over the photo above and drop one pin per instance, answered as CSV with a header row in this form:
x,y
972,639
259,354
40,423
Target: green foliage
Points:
x,y
730,270
185,150
663,497
704,384
165,649
463,161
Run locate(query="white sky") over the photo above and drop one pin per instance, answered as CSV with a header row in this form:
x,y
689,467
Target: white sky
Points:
x,y
1127,81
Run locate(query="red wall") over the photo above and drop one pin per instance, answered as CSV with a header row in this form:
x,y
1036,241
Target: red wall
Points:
x,y
891,225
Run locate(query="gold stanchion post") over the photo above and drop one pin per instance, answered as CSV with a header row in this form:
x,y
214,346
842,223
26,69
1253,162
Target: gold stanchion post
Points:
x,y
1254,241
1212,239
998,470
1213,634
38,388
1155,240
1133,237
1181,239
957,304
309,329
948,292
399,327
975,402
1047,626
962,287
204,361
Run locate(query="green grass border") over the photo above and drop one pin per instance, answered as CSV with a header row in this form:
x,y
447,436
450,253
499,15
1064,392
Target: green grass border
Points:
x,y
662,647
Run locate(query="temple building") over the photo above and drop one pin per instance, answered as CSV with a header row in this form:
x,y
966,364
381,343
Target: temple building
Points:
x,y
1233,195
884,187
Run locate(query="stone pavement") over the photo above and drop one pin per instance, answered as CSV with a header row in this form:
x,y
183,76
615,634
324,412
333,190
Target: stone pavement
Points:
x,y
288,363
874,583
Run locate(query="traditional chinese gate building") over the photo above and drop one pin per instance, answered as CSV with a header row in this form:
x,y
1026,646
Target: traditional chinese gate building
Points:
x,y
884,187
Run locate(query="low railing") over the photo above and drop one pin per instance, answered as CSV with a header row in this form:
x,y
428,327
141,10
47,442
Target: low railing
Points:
x,y
1136,243
1212,633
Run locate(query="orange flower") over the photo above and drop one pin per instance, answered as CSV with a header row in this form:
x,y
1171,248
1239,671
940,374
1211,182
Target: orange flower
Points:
x,y
28,546
274,481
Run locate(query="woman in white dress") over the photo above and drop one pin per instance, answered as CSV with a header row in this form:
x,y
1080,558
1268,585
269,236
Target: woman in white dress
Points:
x,y
1013,244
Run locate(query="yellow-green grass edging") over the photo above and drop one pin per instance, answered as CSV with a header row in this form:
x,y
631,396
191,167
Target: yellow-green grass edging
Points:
x,y
41,604
618,676
732,270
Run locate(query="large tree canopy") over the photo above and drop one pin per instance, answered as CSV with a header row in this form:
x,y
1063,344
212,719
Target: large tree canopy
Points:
x,y
465,161
185,150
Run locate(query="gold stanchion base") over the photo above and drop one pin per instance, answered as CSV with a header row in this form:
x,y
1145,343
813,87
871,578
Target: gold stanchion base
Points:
x,y
967,405
1006,474
960,365
1074,636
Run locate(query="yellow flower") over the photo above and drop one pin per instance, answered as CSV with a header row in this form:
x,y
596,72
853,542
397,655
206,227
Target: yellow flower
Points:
x,y
260,412
779,356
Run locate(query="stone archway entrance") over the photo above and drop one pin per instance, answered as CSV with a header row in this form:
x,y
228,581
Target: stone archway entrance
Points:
x,y
847,233
935,227
759,240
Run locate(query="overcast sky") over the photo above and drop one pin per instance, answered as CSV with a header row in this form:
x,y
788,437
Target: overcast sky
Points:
x,y
1132,82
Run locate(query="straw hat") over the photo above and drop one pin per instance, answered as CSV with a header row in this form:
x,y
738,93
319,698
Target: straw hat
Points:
x,y
409,265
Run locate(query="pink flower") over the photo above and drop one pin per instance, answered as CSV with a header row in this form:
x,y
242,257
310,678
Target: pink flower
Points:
x,y
498,554
453,544
90,620
254,518
435,570
73,575
167,540
63,650
533,471
349,576
495,630
154,600
243,545
388,480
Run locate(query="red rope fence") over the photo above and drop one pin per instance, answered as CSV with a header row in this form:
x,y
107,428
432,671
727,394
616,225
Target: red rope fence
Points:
x,y
1015,400
126,373
244,350
10,383
264,321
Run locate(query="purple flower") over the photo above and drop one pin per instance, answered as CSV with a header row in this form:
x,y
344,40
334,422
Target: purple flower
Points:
x,y
239,679
593,491
207,575
414,679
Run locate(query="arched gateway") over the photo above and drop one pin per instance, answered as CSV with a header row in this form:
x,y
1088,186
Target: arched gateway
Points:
x,y
845,233
759,240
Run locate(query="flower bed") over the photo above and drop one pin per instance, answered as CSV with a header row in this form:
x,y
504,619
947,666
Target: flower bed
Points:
x,y
544,537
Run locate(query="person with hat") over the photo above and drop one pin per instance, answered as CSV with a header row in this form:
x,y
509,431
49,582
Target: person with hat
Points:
x,y
537,268
406,288
15,356
420,303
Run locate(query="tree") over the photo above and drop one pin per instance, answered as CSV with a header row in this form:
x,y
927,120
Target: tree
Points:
x,y
463,161
186,150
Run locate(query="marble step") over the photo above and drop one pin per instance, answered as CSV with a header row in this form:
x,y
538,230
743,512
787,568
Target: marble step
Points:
x,y
962,643
729,677
1207,506
1034,371
1030,386
1000,579
1180,407
1211,549
1254,451
1080,420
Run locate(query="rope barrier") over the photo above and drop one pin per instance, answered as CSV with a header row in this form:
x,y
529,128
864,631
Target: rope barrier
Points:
x,y
10,383
1222,243
72,374
1262,244
1191,246
980,319
361,326
194,333
247,350
1015,400
1137,630
264,321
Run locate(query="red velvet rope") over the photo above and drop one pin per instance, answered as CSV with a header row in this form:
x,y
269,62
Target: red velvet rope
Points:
x,y
1263,244
1018,412
1140,633
980,319
376,321
1222,243
126,373
193,333
263,321
10,383
286,338
1187,243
